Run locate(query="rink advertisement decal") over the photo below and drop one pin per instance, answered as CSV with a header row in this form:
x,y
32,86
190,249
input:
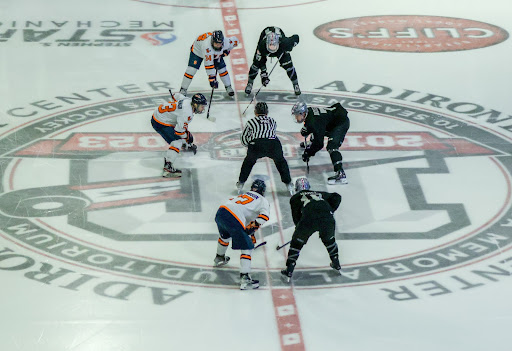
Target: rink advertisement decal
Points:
x,y
411,33
104,33
61,219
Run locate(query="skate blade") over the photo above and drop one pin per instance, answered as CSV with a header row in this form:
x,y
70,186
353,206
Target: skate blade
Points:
x,y
285,279
171,175
223,263
334,182
250,286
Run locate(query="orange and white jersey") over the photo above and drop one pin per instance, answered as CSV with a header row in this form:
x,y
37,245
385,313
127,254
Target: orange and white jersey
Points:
x,y
177,114
249,207
202,47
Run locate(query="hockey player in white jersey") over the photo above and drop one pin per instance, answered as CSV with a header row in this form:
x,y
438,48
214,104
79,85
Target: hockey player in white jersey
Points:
x,y
171,120
237,220
212,48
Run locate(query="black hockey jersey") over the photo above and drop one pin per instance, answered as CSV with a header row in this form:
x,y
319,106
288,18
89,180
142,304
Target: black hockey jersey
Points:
x,y
285,44
319,121
309,204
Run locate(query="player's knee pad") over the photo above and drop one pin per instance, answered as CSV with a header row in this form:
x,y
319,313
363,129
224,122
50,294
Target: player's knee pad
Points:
x,y
287,65
333,150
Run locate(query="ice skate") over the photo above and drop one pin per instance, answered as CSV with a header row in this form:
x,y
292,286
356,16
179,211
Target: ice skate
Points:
x,y
183,91
291,188
239,186
248,88
247,283
170,171
335,264
230,90
220,260
339,178
286,276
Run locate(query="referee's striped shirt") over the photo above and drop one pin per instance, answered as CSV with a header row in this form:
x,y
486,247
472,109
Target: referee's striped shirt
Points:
x,y
258,127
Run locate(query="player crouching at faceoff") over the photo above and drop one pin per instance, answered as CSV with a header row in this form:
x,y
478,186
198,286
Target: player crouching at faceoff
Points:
x,y
212,48
171,120
237,220
331,122
312,211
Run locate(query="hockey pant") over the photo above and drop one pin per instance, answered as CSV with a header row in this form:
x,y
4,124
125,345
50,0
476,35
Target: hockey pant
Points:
x,y
304,229
194,62
259,62
259,148
175,142
230,229
336,137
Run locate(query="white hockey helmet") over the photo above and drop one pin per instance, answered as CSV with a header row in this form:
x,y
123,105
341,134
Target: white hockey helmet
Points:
x,y
272,42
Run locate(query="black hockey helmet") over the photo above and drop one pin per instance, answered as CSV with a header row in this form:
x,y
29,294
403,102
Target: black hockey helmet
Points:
x,y
197,100
217,38
259,186
261,108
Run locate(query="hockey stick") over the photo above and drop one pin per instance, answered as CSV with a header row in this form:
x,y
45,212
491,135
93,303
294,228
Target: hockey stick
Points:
x,y
213,119
307,162
254,97
280,247
260,244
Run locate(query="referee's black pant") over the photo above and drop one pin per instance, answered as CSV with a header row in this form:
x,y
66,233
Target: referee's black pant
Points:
x,y
259,148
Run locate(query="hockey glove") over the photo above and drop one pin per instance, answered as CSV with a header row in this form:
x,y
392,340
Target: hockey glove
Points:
x,y
213,82
252,227
253,238
191,147
295,39
304,131
190,138
225,53
306,155
264,79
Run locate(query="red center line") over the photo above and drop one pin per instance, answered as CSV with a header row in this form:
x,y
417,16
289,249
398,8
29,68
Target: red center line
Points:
x,y
285,306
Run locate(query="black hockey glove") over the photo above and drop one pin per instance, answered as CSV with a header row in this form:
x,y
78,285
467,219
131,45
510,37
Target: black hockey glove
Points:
x,y
304,131
306,155
264,79
213,82
295,39
191,147
225,53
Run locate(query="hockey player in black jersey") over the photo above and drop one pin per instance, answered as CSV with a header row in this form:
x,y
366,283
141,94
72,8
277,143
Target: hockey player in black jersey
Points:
x,y
273,43
312,211
331,122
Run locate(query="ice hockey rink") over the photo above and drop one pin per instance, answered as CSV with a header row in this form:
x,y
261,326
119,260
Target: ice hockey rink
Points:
x,y
98,252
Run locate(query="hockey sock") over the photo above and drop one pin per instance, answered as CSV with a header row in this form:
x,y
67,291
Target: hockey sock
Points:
x,y
222,246
173,151
253,72
245,261
187,77
336,159
224,76
290,71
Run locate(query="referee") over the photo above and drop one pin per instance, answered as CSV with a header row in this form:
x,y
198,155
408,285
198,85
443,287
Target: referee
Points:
x,y
259,136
